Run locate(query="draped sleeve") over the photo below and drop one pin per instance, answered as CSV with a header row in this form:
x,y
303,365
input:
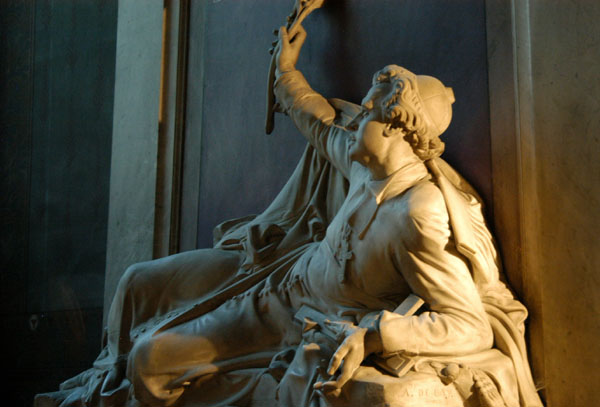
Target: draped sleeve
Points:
x,y
314,116
456,322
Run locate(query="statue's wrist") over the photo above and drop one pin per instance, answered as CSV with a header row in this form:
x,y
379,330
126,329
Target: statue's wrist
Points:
x,y
284,69
373,342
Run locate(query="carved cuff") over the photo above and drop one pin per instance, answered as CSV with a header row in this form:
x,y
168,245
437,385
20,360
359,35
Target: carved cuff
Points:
x,y
371,323
397,334
289,87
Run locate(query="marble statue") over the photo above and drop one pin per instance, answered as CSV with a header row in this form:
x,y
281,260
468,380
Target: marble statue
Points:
x,y
371,280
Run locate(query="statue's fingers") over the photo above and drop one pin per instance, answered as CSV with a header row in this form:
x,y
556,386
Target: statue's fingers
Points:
x,y
326,386
283,34
300,36
300,33
330,388
337,359
275,48
336,392
345,375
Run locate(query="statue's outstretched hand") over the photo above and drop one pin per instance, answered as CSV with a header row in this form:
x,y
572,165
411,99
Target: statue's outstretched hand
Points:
x,y
357,345
289,49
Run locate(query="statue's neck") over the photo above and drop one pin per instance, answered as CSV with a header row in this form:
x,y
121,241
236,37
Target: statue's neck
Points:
x,y
397,182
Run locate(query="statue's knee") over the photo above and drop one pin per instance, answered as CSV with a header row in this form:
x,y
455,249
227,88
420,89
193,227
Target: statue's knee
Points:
x,y
140,363
132,276
134,270
150,385
140,358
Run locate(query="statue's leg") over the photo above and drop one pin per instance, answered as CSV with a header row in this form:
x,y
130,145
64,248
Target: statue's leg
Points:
x,y
156,287
244,328
145,290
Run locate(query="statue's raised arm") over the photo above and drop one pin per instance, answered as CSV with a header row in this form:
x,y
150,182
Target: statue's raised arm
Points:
x,y
302,8
313,115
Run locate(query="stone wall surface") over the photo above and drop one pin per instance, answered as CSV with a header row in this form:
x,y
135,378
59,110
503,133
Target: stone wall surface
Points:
x,y
135,139
544,61
565,65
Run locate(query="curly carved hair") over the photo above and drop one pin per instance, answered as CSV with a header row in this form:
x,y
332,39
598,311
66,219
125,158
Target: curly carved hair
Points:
x,y
403,110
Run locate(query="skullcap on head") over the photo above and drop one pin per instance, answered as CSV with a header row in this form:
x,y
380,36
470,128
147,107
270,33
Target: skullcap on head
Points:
x,y
437,102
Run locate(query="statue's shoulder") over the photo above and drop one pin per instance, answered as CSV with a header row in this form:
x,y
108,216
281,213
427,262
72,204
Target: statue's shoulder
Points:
x,y
424,200
419,211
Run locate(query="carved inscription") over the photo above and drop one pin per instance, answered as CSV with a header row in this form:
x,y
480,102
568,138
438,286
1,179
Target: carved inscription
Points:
x,y
423,394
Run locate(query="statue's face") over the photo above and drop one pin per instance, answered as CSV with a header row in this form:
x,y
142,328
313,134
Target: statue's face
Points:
x,y
371,144
380,149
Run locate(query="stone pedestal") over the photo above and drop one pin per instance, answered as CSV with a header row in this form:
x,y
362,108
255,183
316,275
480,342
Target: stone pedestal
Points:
x,y
370,387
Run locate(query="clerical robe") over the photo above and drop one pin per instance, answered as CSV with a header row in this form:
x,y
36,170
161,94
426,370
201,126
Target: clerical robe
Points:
x,y
346,245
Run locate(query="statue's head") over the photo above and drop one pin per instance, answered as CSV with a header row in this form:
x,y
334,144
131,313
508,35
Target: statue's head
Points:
x,y
420,105
416,107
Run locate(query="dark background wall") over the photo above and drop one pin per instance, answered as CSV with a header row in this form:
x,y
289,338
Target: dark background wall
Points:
x,y
57,78
241,168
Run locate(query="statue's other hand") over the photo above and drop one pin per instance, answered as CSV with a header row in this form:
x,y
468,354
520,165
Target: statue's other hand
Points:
x,y
289,49
346,359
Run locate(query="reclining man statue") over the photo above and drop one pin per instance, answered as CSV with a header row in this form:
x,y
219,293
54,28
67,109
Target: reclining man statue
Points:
x,y
299,305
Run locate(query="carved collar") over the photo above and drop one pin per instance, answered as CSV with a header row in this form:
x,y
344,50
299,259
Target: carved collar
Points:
x,y
397,182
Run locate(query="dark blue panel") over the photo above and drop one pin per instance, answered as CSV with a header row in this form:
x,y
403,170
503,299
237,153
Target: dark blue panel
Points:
x,y
16,41
74,71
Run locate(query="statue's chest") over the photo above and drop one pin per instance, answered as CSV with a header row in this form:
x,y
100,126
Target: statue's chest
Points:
x,y
361,245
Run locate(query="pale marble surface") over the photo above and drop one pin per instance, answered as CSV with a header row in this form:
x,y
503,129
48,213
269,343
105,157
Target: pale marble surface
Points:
x,y
135,139
565,46
545,149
